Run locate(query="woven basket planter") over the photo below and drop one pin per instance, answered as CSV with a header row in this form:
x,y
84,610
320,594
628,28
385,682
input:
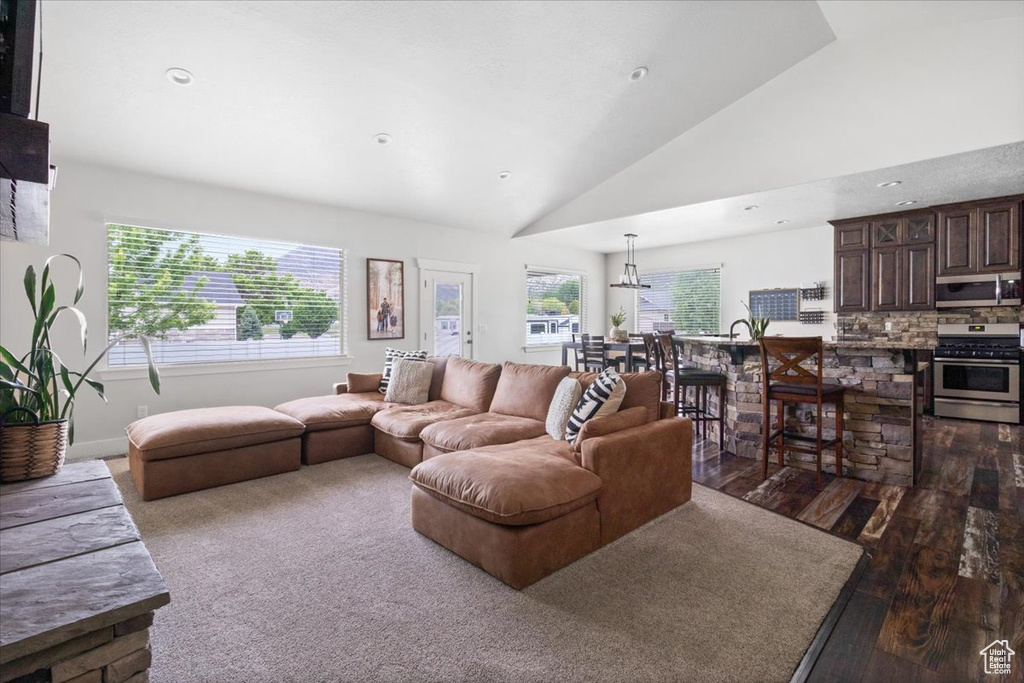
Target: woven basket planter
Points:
x,y
30,451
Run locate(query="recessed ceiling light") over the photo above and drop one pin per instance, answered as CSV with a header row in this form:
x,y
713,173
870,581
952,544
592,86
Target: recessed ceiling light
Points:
x,y
782,222
504,175
179,76
891,183
907,203
382,138
752,207
638,73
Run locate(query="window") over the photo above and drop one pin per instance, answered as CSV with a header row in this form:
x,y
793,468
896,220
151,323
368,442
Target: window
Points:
x,y
687,301
555,305
212,299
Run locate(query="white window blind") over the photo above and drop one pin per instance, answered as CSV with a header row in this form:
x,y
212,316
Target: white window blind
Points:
x,y
211,299
556,306
687,301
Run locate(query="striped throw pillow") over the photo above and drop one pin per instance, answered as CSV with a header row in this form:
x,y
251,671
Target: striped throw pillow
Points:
x,y
389,359
602,397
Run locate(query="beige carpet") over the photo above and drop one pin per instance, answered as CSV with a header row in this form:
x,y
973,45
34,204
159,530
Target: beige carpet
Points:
x,y
317,575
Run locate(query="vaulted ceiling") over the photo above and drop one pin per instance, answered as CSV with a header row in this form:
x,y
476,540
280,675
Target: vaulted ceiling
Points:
x,y
740,97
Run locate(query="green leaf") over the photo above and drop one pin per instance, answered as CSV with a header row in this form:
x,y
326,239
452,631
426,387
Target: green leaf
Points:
x,y
30,286
154,372
83,325
9,358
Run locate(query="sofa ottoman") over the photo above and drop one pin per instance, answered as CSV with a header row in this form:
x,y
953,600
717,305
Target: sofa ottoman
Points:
x,y
189,450
337,426
517,514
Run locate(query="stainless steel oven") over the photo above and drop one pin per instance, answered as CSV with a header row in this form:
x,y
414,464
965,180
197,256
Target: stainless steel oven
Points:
x,y
977,372
989,289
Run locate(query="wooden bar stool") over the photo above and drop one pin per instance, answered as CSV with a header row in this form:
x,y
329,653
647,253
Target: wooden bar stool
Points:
x,y
682,378
787,381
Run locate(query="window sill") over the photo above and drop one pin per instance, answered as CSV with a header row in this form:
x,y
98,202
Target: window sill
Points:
x,y
197,369
542,348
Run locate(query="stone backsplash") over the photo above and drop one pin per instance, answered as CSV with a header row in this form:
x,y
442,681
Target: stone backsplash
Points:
x,y
918,326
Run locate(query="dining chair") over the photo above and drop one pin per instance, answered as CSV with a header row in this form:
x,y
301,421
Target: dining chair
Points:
x,y
595,354
642,360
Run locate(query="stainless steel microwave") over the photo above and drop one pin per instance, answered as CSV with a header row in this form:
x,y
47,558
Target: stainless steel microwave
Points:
x,y
983,289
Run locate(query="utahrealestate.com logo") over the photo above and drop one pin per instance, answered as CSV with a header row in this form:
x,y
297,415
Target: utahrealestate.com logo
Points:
x,y
997,657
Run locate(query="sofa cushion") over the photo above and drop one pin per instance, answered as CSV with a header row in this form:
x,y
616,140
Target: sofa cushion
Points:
x,y
359,382
334,412
609,424
642,389
476,431
509,485
406,422
526,390
470,384
204,430
567,395
410,381
439,363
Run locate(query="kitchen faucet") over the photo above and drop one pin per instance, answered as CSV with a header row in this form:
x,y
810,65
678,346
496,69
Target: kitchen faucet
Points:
x,y
737,322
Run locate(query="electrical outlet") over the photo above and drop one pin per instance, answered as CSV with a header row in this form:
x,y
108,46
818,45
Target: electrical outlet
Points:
x,y
888,326
141,411
481,328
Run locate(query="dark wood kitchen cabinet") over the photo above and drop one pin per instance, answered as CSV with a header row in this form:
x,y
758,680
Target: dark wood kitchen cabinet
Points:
x,y
886,276
892,270
979,237
918,277
853,281
999,237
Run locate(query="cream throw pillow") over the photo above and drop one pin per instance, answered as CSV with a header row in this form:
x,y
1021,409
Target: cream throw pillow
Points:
x,y
567,395
410,381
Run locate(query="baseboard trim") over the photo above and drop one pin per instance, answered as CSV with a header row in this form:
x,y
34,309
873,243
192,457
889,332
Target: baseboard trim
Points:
x,y
89,450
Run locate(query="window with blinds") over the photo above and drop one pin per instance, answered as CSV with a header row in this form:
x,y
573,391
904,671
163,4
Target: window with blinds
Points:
x,y
687,301
213,299
556,305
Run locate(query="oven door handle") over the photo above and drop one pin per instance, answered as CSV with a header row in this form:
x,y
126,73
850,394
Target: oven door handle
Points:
x,y
939,399
976,361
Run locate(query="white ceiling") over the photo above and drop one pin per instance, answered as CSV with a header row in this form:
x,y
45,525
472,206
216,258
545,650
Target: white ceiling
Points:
x,y
993,172
856,105
856,18
289,95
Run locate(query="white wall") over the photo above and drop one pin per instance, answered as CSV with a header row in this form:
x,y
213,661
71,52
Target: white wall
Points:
x,y
88,196
781,259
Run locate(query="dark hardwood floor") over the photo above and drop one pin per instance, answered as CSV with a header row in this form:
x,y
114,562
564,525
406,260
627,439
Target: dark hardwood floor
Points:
x,y
945,575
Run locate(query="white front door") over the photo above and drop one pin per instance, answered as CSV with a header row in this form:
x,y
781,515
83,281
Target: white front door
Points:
x,y
446,313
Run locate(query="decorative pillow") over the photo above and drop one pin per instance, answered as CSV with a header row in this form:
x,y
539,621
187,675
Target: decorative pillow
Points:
x,y
603,397
389,358
567,395
410,381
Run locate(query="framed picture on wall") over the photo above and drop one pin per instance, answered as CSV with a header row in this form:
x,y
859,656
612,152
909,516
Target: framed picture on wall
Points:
x,y
385,299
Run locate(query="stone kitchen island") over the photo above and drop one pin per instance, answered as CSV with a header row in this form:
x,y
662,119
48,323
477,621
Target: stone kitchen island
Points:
x,y
884,381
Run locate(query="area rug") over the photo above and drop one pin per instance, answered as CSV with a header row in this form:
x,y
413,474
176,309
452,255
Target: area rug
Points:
x,y
317,575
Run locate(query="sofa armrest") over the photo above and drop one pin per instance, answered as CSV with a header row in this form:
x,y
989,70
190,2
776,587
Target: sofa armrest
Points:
x,y
341,387
645,472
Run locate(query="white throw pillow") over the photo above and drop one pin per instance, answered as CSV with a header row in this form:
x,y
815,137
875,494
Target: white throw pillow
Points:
x,y
603,397
410,381
567,395
389,358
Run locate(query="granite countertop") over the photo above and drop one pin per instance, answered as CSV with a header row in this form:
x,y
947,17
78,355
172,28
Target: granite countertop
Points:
x,y
828,343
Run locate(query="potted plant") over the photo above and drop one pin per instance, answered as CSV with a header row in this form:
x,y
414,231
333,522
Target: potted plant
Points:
x,y
617,333
38,391
757,325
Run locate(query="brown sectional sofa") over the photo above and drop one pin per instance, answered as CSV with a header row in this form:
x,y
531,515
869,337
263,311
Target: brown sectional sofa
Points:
x,y
488,482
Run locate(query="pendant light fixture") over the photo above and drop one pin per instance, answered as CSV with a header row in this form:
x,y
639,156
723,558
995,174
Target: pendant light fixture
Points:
x,y
630,279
